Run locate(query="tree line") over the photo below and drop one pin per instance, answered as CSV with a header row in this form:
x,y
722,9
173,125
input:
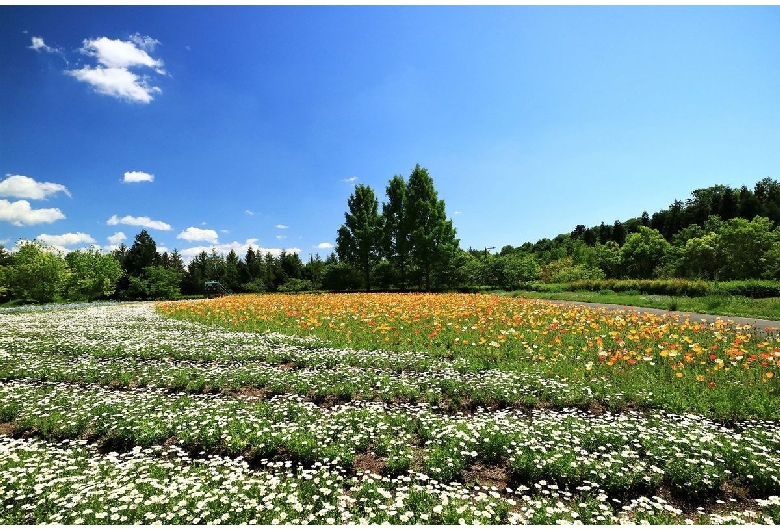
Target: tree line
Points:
x,y
411,244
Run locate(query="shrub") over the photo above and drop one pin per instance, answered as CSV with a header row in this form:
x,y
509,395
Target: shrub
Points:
x,y
749,288
671,287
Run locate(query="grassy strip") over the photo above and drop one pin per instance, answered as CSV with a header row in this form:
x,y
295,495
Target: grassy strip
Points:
x,y
713,304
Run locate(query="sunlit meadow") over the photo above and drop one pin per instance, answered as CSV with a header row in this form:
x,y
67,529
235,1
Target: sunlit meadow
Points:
x,y
371,408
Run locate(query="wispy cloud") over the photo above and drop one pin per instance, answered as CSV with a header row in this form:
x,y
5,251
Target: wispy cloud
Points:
x,y
112,76
249,212
39,46
28,188
138,176
199,234
19,213
144,222
350,179
280,237
324,246
281,227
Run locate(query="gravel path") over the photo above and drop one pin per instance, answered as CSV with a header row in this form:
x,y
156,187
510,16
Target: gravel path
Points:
x,y
759,324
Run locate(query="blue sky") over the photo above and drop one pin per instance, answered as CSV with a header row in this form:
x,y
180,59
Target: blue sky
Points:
x,y
251,125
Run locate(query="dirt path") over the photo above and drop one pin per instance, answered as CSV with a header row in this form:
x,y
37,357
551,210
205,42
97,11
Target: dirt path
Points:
x,y
760,325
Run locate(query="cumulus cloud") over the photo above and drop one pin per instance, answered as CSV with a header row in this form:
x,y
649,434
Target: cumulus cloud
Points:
x,y
117,238
112,75
28,188
240,248
138,221
199,234
19,213
324,246
117,82
115,53
138,176
66,240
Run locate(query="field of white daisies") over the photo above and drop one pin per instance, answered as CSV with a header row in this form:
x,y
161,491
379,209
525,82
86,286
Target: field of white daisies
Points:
x,y
117,414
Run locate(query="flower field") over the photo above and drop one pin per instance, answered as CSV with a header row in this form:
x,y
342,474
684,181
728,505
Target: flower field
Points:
x,y
371,408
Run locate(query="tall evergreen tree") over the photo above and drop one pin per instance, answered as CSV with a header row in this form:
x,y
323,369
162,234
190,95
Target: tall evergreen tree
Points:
x,y
142,254
432,235
395,237
358,240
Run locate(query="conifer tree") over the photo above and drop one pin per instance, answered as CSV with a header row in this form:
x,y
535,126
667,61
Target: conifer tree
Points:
x,y
432,236
395,237
358,240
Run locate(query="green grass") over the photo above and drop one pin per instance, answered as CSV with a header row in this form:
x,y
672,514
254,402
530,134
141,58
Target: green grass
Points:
x,y
724,305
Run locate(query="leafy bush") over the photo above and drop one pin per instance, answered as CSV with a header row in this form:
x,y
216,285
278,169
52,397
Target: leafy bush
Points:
x,y
671,287
749,288
295,285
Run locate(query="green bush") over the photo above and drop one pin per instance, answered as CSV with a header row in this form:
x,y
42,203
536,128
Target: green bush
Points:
x,y
749,288
671,287
295,285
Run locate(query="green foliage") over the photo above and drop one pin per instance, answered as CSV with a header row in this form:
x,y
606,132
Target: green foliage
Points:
x,y
93,275
748,288
642,252
432,236
39,273
673,287
515,270
359,238
564,270
395,236
295,285
142,254
155,283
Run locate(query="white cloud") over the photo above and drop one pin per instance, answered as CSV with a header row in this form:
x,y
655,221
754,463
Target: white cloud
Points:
x,y
117,238
145,43
350,179
249,212
223,231
281,237
138,176
199,234
38,45
19,213
281,227
138,221
115,53
324,246
66,240
112,75
240,249
117,82
28,188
